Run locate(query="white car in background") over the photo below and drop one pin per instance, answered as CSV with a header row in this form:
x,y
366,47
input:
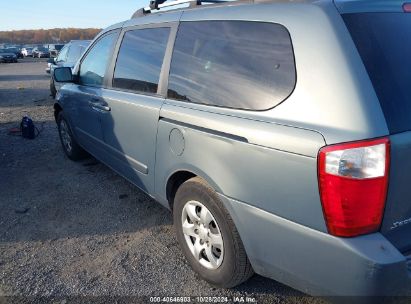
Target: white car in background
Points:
x,y
27,51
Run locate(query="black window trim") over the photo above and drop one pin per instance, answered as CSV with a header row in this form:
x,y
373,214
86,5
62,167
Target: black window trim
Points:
x,y
163,81
116,32
232,108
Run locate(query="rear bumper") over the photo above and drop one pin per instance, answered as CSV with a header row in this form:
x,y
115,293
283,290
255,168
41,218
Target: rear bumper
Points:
x,y
318,263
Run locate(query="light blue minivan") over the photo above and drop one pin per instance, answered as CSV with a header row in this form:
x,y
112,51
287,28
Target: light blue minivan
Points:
x,y
277,132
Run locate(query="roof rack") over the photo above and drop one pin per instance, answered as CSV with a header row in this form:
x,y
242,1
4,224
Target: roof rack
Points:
x,y
159,4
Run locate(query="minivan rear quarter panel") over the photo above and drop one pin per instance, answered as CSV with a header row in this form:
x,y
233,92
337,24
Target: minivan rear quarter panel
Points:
x,y
230,155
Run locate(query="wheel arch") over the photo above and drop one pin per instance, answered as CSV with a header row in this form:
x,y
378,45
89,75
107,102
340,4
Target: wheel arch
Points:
x,y
57,109
178,177
174,182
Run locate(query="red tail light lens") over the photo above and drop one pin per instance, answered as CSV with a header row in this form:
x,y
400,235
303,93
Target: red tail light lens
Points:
x,y
353,181
406,7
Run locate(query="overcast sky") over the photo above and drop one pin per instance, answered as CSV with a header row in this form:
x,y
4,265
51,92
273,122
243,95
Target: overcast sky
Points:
x,y
46,14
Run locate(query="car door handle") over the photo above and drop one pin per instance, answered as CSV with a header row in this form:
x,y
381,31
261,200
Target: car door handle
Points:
x,y
97,105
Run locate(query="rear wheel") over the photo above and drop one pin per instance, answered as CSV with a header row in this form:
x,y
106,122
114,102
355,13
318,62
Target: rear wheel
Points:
x,y
70,146
208,236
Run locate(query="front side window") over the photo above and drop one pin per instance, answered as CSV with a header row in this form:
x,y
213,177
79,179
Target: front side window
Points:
x,y
94,66
140,60
234,64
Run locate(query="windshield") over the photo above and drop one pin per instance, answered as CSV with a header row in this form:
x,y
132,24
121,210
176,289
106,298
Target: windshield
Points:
x,y
43,49
384,43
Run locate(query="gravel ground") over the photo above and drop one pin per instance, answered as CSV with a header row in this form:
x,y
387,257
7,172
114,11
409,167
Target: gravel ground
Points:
x,y
79,232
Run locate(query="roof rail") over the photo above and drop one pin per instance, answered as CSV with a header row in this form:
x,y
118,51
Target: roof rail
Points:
x,y
159,4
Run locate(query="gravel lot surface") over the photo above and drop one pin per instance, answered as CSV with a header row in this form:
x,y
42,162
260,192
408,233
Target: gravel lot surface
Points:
x,y
77,231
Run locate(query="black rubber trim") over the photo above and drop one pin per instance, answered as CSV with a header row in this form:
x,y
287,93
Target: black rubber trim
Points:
x,y
206,130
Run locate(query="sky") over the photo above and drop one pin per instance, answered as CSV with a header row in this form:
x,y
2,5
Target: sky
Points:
x,y
46,14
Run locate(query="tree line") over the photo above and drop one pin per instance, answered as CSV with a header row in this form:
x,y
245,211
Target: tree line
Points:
x,y
57,35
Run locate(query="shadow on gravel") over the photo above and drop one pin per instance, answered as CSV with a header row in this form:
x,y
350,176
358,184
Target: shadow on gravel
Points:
x,y
24,96
45,196
62,211
24,77
264,286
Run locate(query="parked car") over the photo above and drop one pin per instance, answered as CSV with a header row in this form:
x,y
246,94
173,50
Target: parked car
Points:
x,y
67,57
16,51
40,52
55,49
305,182
27,52
7,56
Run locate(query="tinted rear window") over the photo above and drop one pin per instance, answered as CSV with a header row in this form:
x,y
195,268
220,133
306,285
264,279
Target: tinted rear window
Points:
x,y
384,43
234,64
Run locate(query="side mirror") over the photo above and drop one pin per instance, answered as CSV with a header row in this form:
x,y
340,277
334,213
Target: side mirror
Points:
x,y
51,60
63,74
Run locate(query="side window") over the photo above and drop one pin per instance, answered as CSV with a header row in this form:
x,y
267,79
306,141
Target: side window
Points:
x,y
140,60
63,54
94,66
235,64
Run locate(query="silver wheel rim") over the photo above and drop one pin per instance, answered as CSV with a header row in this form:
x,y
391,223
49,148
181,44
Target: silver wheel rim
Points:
x,y
65,136
202,235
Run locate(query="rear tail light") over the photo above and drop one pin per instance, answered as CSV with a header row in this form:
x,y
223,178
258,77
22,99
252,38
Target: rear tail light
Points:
x,y
406,7
353,181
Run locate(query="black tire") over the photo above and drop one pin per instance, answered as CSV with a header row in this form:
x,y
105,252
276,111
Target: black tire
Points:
x,y
53,90
235,267
74,151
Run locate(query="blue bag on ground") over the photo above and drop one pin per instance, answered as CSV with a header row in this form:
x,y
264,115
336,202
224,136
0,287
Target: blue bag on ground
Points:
x,y
27,128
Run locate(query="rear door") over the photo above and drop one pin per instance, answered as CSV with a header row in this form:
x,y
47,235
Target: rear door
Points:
x,y
135,100
384,43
